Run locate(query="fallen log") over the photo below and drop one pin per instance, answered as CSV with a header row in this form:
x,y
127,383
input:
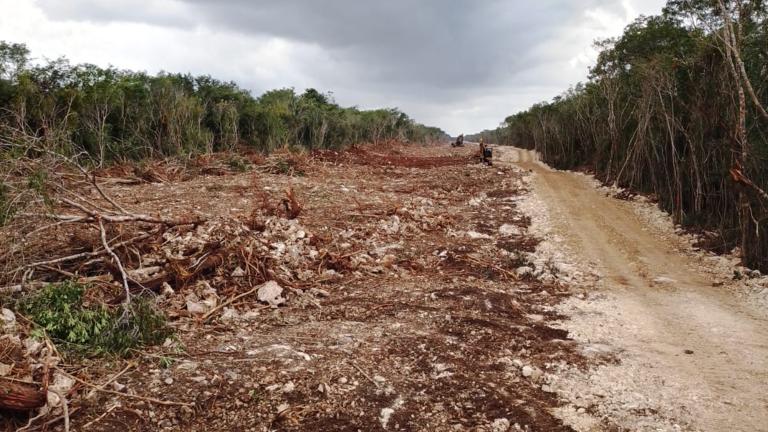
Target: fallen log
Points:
x,y
17,396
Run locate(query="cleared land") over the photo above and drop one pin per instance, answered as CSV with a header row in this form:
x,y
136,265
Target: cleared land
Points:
x,y
404,305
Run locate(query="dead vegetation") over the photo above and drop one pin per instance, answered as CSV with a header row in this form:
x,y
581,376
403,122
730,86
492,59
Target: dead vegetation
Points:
x,y
368,290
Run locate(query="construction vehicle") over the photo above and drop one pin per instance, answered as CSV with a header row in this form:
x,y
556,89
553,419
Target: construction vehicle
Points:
x,y
459,141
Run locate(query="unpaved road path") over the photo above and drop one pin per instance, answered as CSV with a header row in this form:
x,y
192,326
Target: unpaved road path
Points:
x,y
690,354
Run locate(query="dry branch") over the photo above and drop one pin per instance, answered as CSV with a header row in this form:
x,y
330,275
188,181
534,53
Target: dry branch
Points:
x,y
117,262
112,379
89,254
125,395
64,406
94,216
208,315
738,177
110,218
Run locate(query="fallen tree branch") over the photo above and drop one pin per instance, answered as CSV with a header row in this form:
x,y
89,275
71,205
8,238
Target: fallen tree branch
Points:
x,y
208,315
104,195
493,266
45,228
99,418
64,219
111,380
91,178
117,262
125,395
111,218
63,399
16,396
88,254
49,423
121,219
365,374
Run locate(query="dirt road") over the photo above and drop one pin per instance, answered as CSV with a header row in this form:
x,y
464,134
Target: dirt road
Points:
x,y
691,356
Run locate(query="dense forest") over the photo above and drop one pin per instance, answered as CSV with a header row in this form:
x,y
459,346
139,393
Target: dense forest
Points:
x,y
107,114
675,107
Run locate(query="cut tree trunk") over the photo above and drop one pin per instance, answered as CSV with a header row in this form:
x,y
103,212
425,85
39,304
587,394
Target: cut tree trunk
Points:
x,y
15,396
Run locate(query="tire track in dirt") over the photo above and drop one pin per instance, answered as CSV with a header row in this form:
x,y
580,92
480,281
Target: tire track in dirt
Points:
x,y
692,356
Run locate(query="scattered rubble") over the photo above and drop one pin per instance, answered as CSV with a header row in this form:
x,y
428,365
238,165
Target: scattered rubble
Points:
x,y
271,293
389,301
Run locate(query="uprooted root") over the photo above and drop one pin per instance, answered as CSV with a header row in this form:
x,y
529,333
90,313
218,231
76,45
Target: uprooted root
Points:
x,y
291,204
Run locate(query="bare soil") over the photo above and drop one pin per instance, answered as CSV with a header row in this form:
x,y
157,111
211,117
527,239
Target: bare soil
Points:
x,y
423,321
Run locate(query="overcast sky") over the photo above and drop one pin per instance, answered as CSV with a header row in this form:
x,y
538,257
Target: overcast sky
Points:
x,y
462,65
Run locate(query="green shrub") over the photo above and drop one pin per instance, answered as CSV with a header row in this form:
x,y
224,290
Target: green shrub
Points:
x,y
290,165
238,163
95,329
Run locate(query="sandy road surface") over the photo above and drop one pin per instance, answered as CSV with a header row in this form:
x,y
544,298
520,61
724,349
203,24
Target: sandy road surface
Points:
x,y
691,355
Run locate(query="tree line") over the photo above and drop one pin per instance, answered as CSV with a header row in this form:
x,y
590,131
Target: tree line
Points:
x,y
674,107
109,114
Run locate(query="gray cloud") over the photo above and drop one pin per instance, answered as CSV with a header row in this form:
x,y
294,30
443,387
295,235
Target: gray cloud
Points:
x,y
157,12
425,55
